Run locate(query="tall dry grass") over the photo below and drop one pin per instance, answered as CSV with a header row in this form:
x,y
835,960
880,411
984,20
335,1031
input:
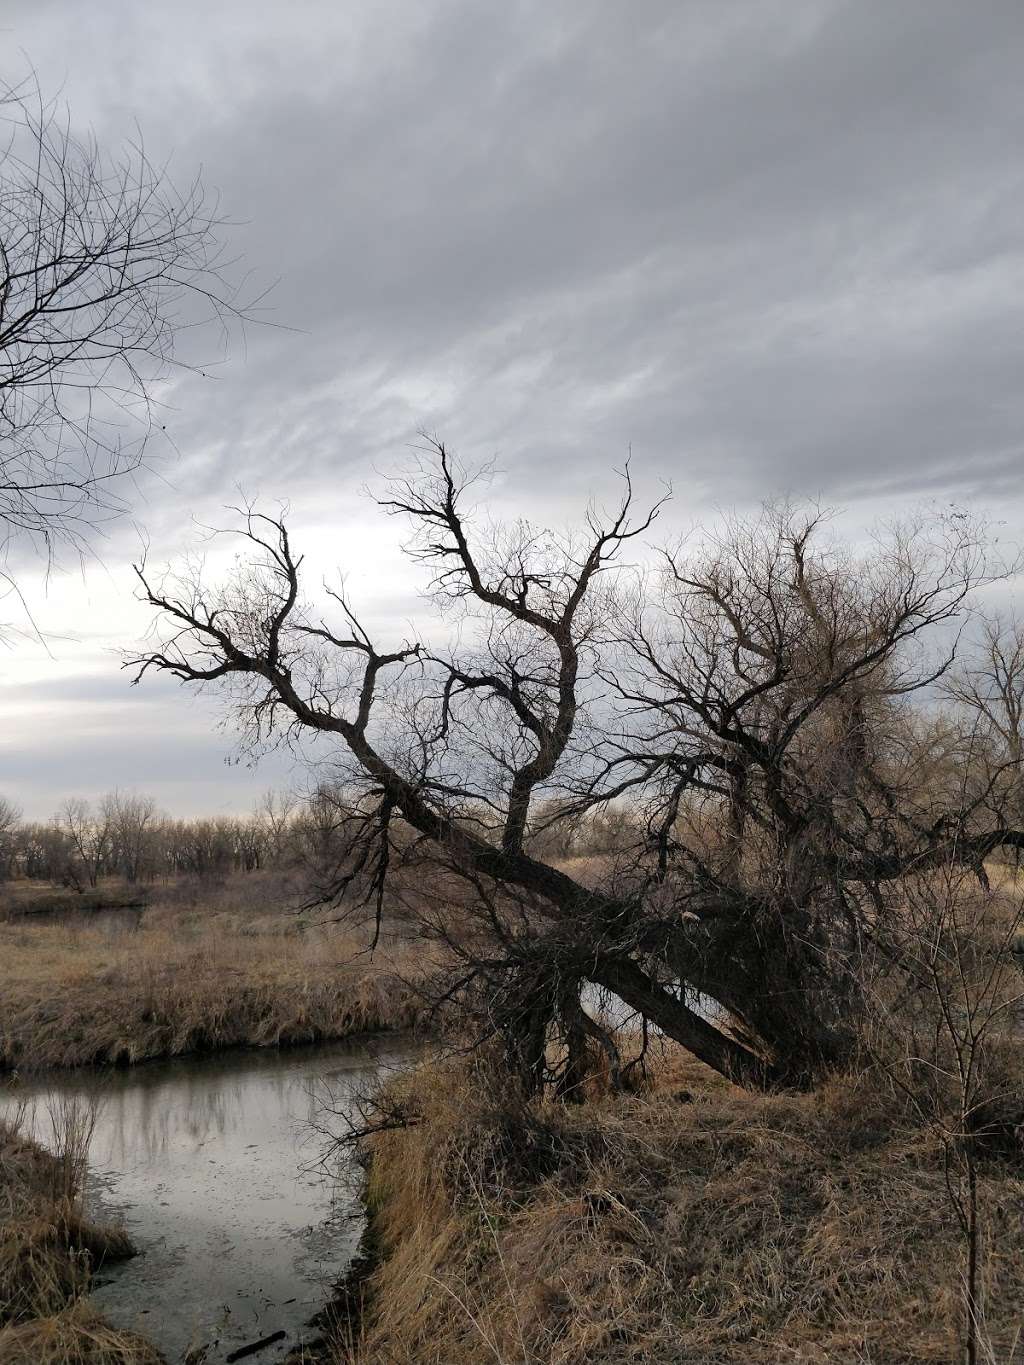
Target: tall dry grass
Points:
x,y
202,968
49,1251
76,1336
693,1223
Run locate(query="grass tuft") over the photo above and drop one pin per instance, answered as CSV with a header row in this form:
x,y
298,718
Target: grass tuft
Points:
x,y
48,1253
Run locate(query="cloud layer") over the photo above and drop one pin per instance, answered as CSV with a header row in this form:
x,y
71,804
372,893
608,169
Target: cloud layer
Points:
x,y
773,247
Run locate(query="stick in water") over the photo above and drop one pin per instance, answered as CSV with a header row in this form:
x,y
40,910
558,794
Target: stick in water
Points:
x,y
254,1346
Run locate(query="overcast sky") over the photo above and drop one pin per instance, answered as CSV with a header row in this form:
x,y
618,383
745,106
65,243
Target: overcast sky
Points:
x,y
772,247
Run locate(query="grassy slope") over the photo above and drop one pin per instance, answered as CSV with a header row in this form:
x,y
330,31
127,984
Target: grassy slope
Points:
x,y
697,1223
47,1254
205,969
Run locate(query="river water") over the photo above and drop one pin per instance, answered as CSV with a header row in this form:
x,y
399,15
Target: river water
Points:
x,y
213,1164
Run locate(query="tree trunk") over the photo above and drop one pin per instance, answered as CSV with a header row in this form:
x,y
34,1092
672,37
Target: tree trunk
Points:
x,y
668,1013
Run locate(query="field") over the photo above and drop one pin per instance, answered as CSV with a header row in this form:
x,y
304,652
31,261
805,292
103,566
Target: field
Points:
x,y
200,967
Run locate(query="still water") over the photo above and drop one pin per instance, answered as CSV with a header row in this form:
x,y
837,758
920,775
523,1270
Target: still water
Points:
x,y
214,1166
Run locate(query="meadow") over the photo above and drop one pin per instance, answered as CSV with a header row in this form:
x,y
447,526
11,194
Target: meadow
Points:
x,y
202,966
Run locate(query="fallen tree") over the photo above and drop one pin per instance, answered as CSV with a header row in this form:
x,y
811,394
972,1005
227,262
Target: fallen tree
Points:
x,y
748,710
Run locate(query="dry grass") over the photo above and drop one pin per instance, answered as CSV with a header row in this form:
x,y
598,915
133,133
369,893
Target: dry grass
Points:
x,y
48,1253
697,1223
204,968
76,1336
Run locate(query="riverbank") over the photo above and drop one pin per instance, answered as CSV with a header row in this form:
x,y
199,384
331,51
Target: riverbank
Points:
x,y
48,1256
199,969
695,1222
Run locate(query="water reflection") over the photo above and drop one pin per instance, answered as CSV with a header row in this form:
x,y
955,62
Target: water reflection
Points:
x,y
213,1164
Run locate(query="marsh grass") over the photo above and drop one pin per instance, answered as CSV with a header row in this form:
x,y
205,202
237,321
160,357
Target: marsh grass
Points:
x,y
76,1336
203,968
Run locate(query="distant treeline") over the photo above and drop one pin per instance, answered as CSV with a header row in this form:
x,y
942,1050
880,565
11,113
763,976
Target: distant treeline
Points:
x,y
125,835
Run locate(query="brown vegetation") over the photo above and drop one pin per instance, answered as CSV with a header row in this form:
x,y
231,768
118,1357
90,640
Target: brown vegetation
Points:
x,y
206,967
695,1222
90,847
48,1253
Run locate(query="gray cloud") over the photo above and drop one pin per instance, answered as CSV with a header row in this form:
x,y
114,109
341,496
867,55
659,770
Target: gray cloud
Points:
x,y
774,247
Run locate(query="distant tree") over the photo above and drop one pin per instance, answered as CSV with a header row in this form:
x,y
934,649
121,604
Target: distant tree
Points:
x,y
757,690
102,263
274,814
45,850
91,833
319,827
205,848
10,821
131,819
252,843
988,689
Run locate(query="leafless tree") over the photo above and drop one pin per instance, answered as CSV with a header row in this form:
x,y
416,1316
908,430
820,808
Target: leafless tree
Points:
x,y
102,263
950,1045
131,819
204,848
756,691
767,686
252,843
91,834
988,690
43,850
992,689
274,813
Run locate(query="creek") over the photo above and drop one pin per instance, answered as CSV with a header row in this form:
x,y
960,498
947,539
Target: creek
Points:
x,y
214,1166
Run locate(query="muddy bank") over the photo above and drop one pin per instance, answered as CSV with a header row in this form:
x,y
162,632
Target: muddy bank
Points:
x,y
50,1255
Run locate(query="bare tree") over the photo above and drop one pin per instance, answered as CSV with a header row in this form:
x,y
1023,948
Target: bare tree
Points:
x,y
203,848
252,843
988,690
91,835
950,1045
767,683
992,689
102,262
130,819
275,812
43,850
762,685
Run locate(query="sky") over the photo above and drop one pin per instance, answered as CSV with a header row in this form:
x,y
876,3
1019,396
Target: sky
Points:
x,y
766,248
